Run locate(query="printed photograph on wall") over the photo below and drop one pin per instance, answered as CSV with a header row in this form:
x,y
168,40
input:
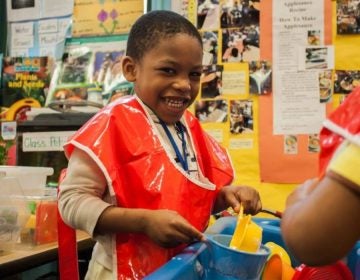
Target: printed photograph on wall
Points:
x,y
260,74
241,116
237,13
20,4
211,111
346,81
348,16
211,81
316,58
290,144
313,37
245,41
210,47
314,143
208,14
325,85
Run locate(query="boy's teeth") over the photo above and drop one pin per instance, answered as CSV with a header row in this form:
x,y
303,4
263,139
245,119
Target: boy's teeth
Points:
x,y
175,103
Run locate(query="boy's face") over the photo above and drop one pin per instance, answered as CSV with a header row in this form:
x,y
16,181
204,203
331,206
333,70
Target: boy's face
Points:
x,y
167,78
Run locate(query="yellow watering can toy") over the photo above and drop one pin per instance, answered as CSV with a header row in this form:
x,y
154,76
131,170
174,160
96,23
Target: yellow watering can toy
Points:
x,y
247,235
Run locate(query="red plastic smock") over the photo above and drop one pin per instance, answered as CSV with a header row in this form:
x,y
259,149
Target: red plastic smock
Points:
x,y
123,140
343,123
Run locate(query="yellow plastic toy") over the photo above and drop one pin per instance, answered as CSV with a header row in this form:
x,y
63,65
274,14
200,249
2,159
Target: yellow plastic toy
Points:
x,y
278,250
17,110
247,235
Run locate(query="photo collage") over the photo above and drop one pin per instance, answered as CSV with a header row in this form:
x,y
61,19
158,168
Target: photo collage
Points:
x,y
231,34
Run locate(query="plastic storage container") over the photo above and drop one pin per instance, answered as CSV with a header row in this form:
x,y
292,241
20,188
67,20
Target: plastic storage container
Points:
x,y
32,180
41,225
28,209
13,212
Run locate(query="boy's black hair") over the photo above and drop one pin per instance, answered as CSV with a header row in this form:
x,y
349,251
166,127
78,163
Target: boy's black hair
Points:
x,y
153,26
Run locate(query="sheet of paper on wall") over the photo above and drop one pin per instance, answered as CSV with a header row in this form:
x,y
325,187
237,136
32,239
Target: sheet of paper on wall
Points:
x,y
104,18
22,42
297,109
21,10
234,82
39,37
56,8
21,38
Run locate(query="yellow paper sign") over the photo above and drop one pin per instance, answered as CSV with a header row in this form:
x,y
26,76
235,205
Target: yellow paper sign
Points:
x,y
105,17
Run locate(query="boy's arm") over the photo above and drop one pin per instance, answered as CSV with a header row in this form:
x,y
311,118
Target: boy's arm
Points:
x,y
82,205
165,227
82,192
321,224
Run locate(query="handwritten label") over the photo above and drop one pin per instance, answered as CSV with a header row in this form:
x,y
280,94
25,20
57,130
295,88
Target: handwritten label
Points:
x,y
48,26
234,82
22,29
22,42
237,144
45,141
47,39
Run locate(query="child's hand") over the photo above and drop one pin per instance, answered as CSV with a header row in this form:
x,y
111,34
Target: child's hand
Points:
x,y
169,229
233,196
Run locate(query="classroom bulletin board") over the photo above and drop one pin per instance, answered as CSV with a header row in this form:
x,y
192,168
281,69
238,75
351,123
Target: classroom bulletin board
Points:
x,y
264,155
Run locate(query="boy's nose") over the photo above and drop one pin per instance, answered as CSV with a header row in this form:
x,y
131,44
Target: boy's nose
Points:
x,y
183,85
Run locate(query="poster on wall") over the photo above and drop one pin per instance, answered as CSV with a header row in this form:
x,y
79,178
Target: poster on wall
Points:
x,y
291,116
38,27
297,109
105,17
44,37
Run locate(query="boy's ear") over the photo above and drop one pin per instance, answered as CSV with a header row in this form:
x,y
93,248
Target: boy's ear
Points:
x,y
129,69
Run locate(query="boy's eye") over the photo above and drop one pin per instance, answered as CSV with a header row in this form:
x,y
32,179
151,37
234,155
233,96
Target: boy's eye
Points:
x,y
167,70
195,75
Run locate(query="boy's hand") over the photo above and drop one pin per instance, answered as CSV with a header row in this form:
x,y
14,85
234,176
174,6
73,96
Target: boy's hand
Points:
x,y
169,229
233,196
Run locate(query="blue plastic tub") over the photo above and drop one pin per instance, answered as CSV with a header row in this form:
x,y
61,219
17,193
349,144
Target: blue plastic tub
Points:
x,y
196,261
232,264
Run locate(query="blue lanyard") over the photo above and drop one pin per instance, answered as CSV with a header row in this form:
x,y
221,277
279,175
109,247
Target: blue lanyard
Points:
x,y
182,157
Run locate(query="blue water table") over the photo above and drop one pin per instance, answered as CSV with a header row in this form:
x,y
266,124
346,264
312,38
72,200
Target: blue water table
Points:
x,y
197,262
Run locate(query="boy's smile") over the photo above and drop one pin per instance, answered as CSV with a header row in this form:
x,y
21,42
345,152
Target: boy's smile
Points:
x,y
167,78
